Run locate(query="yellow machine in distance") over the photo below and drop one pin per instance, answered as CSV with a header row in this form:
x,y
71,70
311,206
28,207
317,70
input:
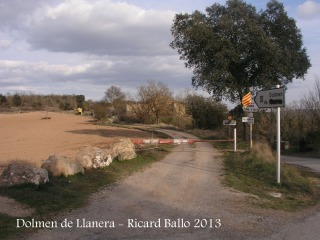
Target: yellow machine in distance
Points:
x,y
78,111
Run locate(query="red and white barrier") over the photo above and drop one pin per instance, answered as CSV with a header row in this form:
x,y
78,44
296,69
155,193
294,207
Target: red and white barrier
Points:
x,y
174,141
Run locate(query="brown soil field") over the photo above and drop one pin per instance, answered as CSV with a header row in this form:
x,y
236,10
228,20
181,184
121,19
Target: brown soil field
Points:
x,y
28,138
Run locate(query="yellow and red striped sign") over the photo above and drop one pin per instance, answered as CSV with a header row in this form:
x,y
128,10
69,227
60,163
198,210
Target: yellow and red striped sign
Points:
x,y
246,100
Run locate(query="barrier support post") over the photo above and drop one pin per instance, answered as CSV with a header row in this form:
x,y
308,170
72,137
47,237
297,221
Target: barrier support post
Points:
x,y
235,139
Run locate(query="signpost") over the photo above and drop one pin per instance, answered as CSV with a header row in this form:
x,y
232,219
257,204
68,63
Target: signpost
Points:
x,y
273,98
251,108
248,120
229,122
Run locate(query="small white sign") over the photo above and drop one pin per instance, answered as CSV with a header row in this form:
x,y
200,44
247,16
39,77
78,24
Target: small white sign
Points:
x,y
248,120
230,122
251,108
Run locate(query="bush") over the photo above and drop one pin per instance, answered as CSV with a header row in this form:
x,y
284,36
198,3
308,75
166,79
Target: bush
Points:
x,y
100,111
16,100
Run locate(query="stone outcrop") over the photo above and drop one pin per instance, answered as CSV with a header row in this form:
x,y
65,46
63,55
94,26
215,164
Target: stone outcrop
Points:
x,y
61,165
123,150
94,157
17,174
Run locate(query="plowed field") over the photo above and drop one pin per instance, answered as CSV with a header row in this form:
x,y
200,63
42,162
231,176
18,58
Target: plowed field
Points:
x,y
28,137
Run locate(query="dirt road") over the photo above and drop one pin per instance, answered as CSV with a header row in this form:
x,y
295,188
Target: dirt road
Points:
x,y
312,163
180,197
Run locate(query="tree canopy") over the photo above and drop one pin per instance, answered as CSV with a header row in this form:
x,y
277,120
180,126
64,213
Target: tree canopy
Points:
x,y
233,47
114,95
206,113
115,98
153,100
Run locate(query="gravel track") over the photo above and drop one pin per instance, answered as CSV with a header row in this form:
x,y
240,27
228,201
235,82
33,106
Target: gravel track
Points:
x,y
184,185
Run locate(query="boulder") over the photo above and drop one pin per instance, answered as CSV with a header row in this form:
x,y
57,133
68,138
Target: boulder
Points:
x,y
17,174
123,150
94,157
61,165
103,158
85,156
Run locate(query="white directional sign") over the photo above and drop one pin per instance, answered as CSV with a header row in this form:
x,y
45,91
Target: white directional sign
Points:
x,y
251,108
230,122
248,120
271,98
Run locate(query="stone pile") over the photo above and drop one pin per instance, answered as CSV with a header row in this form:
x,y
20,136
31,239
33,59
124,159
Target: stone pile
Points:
x,y
94,157
16,174
58,165
88,157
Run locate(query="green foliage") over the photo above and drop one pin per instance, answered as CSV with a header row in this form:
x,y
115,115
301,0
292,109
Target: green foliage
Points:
x,y
65,106
80,99
206,113
3,99
16,100
233,47
43,102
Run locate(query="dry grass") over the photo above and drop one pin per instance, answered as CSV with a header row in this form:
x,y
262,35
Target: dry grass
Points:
x,y
248,173
263,151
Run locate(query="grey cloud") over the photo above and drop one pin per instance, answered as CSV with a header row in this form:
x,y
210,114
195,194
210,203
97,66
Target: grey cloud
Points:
x,y
129,73
5,44
119,44
102,28
14,14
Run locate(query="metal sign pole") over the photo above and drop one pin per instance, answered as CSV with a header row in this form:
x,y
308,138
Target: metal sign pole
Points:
x,y
250,136
278,145
235,139
273,98
278,142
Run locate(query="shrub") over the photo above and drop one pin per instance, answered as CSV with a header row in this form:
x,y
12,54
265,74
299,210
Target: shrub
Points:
x,y
100,111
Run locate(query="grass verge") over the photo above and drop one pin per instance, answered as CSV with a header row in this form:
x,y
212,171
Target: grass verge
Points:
x,y
299,188
64,193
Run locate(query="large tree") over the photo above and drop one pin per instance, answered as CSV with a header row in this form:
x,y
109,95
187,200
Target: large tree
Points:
x,y
233,47
116,99
114,95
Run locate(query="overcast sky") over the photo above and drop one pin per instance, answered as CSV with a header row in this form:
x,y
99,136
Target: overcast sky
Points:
x,y
85,46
